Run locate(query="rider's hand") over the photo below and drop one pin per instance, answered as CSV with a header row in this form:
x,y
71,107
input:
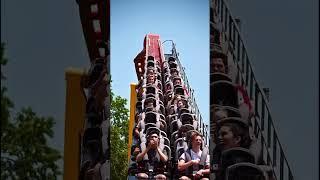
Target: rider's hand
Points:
x,y
148,147
195,162
199,173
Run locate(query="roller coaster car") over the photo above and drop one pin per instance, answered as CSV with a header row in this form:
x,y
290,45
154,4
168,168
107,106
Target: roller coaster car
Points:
x,y
161,107
150,64
151,117
166,141
150,95
219,77
171,59
92,111
149,126
163,134
236,155
245,171
173,64
94,118
175,79
92,143
150,89
149,99
178,89
173,70
184,110
223,93
186,118
95,71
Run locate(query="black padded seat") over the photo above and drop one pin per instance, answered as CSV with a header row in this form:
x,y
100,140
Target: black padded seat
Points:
x,y
92,136
188,126
150,63
150,89
94,118
151,95
162,109
236,155
167,148
173,65
178,89
95,72
174,125
171,59
172,70
219,76
150,126
139,105
166,141
150,99
184,110
163,134
186,118
223,93
245,171
150,117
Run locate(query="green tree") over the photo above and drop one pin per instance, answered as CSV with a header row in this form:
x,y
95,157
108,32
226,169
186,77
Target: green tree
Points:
x,y
119,138
25,153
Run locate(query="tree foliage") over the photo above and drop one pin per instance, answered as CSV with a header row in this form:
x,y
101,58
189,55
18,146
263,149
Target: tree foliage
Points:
x,y
119,138
25,153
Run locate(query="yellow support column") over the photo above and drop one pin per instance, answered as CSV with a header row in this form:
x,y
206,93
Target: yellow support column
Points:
x,y
133,100
74,123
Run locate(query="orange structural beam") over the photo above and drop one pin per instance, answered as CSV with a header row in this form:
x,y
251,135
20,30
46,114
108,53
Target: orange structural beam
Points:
x,y
74,122
133,101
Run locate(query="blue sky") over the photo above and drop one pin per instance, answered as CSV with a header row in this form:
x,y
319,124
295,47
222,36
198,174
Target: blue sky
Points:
x,y
183,21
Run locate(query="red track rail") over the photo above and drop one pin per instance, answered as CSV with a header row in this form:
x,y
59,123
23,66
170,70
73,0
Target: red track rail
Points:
x,y
95,20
